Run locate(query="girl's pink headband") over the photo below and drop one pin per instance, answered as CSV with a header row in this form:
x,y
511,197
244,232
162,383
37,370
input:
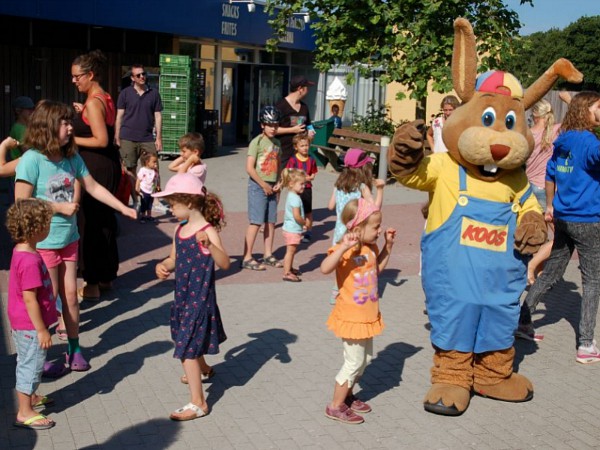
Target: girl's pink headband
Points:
x,y
364,210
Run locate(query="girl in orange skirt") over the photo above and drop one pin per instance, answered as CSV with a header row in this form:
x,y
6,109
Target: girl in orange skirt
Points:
x,y
356,318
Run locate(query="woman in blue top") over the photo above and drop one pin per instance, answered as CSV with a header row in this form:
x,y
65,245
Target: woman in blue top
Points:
x,y
573,203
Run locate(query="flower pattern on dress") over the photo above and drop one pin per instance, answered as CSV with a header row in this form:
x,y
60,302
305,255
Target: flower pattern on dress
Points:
x,y
196,326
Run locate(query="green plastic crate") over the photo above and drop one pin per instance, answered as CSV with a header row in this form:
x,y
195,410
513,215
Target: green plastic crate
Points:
x,y
175,107
175,70
174,60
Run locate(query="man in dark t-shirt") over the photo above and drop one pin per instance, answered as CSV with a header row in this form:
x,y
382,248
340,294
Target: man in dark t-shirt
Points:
x,y
295,117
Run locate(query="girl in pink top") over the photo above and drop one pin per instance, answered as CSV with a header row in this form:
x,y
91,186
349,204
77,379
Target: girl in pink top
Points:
x,y
31,306
544,132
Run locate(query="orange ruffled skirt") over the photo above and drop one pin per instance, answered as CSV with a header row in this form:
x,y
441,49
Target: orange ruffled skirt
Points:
x,y
354,330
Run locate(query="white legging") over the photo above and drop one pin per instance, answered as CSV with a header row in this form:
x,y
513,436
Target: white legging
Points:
x,y
357,354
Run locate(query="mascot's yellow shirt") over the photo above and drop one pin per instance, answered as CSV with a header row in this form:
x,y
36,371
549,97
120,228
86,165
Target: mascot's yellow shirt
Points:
x,y
438,174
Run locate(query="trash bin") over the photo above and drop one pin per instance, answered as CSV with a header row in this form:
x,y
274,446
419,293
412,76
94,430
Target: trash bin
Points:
x,y
323,131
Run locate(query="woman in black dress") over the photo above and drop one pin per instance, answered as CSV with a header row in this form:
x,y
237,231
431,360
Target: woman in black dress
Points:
x,y
94,132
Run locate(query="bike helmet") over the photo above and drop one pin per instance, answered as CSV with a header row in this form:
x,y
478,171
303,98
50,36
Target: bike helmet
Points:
x,y
269,114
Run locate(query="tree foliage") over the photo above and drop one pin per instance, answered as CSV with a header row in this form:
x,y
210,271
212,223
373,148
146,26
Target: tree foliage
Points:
x,y
408,41
577,42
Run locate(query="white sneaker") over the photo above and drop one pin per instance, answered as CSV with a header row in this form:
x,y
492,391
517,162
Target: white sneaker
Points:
x,y
588,355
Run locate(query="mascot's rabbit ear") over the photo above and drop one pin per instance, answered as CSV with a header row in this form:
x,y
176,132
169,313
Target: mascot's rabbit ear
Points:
x,y
561,68
464,59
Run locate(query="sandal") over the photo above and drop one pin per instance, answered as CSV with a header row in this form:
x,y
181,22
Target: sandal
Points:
x,y
55,370
61,334
296,272
77,362
273,262
81,296
43,402
252,264
199,412
30,423
291,277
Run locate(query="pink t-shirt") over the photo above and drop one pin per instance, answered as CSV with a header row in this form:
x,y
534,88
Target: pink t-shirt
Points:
x,y
536,164
199,170
27,272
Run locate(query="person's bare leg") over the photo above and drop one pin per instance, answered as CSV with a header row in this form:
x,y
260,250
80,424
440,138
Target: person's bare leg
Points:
x,y
191,367
68,294
26,412
288,259
269,238
249,241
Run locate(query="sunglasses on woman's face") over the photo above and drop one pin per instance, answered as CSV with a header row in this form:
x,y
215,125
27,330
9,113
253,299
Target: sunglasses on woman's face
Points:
x,y
140,75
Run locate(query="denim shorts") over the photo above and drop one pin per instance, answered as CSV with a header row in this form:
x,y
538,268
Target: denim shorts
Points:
x,y
30,360
540,194
261,208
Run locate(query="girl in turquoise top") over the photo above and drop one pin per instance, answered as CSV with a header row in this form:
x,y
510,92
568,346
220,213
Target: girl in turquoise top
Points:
x,y
48,172
294,219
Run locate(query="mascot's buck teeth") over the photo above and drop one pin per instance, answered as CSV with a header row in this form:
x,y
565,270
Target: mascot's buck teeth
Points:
x,y
492,168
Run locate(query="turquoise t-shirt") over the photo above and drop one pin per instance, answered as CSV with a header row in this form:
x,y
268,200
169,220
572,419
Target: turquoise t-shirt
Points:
x,y
54,182
289,223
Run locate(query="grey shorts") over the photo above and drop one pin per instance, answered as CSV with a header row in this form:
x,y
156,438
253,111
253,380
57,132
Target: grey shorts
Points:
x,y
261,208
130,151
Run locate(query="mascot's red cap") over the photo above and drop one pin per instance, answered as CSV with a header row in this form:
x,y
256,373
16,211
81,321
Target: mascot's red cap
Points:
x,y
498,82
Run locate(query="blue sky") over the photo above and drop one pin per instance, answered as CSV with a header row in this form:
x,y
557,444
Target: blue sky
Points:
x,y
546,14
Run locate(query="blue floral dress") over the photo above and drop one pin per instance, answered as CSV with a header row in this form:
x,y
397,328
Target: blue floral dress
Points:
x,y
196,326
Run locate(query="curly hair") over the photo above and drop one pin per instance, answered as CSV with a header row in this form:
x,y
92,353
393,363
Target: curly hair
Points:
x,y
209,205
43,129
290,175
28,217
94,62
578,114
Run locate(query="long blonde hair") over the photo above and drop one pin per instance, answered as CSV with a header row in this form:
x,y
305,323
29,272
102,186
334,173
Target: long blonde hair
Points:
x,y
543,110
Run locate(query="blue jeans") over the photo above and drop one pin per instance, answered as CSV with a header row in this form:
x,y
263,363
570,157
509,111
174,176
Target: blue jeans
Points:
x,y
585,237
30,360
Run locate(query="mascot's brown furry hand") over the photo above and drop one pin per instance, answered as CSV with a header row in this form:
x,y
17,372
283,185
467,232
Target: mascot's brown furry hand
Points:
x,y
481,209
530,234
407,145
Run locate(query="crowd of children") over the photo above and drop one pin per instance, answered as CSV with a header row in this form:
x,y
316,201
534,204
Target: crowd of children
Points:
x,y
44,264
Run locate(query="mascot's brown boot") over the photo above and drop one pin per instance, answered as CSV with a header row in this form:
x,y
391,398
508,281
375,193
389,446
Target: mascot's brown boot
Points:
x,y
452,379
494,377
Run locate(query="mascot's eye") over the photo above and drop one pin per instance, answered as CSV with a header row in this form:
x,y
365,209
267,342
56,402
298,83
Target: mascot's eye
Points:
x,y
488,117
510,120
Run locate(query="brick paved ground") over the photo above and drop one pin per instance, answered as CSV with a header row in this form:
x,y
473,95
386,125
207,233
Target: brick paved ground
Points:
x,y
275,372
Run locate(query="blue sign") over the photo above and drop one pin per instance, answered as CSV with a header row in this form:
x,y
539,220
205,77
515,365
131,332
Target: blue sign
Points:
x,y
214,19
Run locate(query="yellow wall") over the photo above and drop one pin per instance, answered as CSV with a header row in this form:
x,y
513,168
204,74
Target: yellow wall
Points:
x,y
402,110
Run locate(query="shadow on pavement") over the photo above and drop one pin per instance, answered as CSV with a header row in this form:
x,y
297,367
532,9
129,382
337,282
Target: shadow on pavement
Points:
x,y
162,432
241,363
104,379
385,370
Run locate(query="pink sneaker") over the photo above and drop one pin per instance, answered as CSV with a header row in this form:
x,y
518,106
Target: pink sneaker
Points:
x,y
356,405
588,355
343,414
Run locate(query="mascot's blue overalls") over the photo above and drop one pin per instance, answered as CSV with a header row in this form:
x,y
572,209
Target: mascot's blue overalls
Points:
x,y
472,275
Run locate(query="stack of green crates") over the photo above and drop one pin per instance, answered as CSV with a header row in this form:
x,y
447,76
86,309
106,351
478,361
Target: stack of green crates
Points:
x,y
175,87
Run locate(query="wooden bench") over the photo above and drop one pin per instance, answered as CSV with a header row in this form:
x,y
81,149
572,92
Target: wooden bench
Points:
x,y
344,138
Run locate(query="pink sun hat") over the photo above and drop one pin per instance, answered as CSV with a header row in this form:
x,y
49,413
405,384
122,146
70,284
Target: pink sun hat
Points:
x,y
182,183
